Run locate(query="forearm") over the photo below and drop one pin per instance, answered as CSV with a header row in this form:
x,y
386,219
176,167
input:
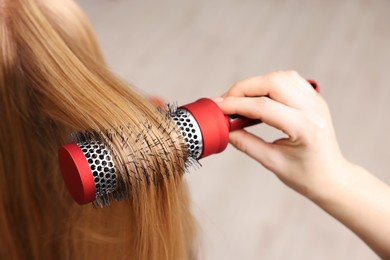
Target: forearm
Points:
x,y
361,202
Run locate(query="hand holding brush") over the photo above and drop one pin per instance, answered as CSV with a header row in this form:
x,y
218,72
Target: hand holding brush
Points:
x,y
309,159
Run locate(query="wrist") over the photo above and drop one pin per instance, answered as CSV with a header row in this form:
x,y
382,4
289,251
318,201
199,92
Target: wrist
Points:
x,y
331,182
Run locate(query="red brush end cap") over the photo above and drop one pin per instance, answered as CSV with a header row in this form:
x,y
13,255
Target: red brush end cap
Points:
x,y
77,173
213,124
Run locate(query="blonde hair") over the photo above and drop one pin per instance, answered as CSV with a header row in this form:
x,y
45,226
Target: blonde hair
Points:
x,y
53,80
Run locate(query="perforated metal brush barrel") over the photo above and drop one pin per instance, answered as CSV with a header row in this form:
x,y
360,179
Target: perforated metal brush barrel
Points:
x,y
102,166
190,131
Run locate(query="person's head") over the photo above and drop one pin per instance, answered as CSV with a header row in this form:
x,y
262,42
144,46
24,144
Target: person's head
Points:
x,y
53,81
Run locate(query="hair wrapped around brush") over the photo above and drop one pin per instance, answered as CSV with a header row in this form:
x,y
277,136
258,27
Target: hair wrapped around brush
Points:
x,y
53,81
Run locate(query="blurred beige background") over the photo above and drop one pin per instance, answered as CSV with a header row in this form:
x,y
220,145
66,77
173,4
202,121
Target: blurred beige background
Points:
x,y
183,50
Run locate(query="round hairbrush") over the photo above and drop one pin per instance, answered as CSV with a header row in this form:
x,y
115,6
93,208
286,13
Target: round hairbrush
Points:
x,y
89,169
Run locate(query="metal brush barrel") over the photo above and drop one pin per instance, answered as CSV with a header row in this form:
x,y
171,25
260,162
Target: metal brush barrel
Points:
x,y
102,166
190,131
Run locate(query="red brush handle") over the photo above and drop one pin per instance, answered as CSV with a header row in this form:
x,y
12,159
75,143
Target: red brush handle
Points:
x,y
237,122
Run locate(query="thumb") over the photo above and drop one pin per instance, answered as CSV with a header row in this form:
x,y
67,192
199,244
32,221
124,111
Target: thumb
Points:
x,y
254,146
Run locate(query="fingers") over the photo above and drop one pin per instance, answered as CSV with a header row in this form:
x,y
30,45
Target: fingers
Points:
x,y
255,147
286,87
267,110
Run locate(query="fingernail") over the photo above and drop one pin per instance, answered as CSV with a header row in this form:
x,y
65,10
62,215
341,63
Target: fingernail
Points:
x,y
217,99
